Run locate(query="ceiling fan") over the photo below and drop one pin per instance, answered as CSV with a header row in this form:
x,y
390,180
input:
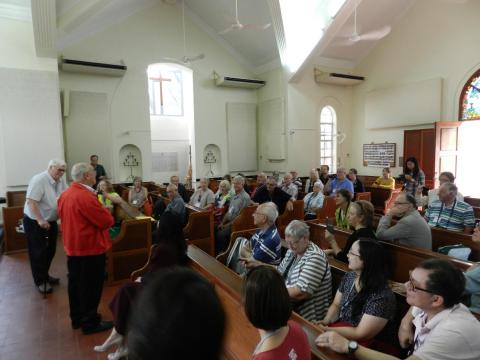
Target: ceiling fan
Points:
x,y
355,37
185,59
237,25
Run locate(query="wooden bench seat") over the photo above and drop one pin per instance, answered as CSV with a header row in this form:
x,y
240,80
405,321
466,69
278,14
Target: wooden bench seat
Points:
x,y
284,219
244,220
14,241
16,198
382,199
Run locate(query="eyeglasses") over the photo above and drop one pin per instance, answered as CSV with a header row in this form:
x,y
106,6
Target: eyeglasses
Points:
x,y
352,253
413,287
401,203
61,170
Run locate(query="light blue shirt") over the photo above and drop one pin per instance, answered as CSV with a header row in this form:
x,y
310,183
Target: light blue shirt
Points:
x,y
341,184
472,286
313,201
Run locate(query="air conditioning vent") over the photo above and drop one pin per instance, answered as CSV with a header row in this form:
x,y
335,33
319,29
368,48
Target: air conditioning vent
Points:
x,y
335,78
90,67
238,82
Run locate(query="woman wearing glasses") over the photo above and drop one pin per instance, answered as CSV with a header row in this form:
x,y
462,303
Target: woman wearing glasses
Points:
x,y
364,305
360,217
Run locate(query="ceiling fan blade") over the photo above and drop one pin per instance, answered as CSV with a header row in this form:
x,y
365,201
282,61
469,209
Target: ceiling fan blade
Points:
x,y
376,34
257,27
226,31
194,58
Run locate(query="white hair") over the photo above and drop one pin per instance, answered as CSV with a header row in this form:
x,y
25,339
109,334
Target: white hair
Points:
x,y
239,179
269,209
297,229
318,184
56,163
79,170
172,187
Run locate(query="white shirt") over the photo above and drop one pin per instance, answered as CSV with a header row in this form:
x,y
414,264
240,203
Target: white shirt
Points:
x,y
45,190
453,333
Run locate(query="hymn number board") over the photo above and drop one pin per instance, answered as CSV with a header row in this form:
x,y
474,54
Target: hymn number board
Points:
x,y
379,155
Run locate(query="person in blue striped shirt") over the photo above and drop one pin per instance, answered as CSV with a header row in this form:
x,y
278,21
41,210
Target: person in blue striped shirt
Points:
x,y
450,213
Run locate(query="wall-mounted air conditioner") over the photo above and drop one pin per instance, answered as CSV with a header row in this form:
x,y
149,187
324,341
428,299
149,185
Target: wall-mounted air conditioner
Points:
x,y
90,67
336,78
235,82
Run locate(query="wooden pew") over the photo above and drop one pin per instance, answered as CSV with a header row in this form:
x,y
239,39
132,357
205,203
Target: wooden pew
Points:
x,y
328,209
383,199
472,201
199,230
130,250
240,336
222,257
296,214
244,220
16,198
442,237
363,196
14,241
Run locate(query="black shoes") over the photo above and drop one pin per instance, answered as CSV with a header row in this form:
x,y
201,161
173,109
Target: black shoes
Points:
x,y
102,326
53,280
45,288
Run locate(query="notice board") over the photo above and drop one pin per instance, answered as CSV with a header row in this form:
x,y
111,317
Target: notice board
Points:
x,y
379,155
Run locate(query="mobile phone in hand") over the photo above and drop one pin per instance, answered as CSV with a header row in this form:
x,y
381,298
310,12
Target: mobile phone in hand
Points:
x,y
330,226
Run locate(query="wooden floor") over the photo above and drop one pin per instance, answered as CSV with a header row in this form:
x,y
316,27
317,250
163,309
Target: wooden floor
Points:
x,y
35,328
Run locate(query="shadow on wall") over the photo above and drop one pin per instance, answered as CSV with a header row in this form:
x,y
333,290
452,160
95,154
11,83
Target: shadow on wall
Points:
x,y
212,161
130,162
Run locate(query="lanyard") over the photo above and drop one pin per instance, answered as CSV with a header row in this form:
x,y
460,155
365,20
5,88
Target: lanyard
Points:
x,y
265,338
449,217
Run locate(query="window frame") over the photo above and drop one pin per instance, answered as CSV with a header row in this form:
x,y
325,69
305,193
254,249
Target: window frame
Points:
x,y
332,141
463,94
151,83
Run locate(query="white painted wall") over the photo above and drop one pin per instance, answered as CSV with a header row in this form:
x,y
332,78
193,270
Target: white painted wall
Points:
x,y
147,37
434,39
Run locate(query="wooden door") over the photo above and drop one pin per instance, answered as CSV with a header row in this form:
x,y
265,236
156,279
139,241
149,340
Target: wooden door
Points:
x,y
421,145
446,147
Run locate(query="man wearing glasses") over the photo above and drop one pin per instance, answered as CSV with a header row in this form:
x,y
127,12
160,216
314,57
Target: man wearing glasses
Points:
x,y
410,230
444,328
40,222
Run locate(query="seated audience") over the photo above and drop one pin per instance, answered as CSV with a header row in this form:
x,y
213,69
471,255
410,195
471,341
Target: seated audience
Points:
x,y
444,328
138,194
360,217
343,199
340,182
289,187
313,201
449,213
314,177
357,184
306,272
238,201
176,205
432,196
105,187
203,197
222,200
182,191
267,306
472,279
261,181
178,316
386,181
169,251
364,305
412,176
265,246
296,180
410,230
324,175
228,177
271,192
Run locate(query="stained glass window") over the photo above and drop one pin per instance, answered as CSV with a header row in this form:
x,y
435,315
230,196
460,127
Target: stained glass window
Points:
x,y
470,99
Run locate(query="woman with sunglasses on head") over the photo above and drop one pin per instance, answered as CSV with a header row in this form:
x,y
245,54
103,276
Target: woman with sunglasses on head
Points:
x,y
360,217
364,305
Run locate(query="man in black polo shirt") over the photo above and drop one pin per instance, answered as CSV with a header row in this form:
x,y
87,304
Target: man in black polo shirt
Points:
x,y
271,192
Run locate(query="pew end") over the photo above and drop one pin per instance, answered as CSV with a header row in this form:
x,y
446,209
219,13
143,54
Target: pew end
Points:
x,y
14,241
199,230
222,257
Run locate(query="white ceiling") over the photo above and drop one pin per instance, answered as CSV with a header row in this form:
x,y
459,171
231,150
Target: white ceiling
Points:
x,y
78,19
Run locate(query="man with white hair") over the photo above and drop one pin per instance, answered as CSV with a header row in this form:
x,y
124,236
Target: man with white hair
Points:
x,y
450,213
238,201
176,205
40,222
289,187
85,225
340,182
265,246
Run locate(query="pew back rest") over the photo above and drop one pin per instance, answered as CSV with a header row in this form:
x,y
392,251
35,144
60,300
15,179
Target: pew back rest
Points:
x,y
363,196
130,249
16,198
222,257
244,220
296,214
472,201
199,231
441,237
383,199
328,209
14,241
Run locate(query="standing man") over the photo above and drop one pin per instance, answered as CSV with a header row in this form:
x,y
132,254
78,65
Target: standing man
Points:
x,y
100,170
85,224
40,222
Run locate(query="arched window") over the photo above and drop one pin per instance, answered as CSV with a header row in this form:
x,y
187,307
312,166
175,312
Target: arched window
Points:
x,y
470,99
328,140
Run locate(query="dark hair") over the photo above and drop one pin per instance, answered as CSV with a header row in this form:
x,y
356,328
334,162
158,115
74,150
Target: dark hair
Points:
x,y
449,175
177,316
375,273
266,299
92,156
366,210
345,193
416,168
411,199
387,169
170,231
445,280
353,170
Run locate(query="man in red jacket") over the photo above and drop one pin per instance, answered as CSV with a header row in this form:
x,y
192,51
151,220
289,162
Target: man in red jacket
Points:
x,y
85,225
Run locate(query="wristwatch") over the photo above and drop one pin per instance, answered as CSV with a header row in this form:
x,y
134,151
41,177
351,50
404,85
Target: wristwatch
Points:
x,y
352,347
